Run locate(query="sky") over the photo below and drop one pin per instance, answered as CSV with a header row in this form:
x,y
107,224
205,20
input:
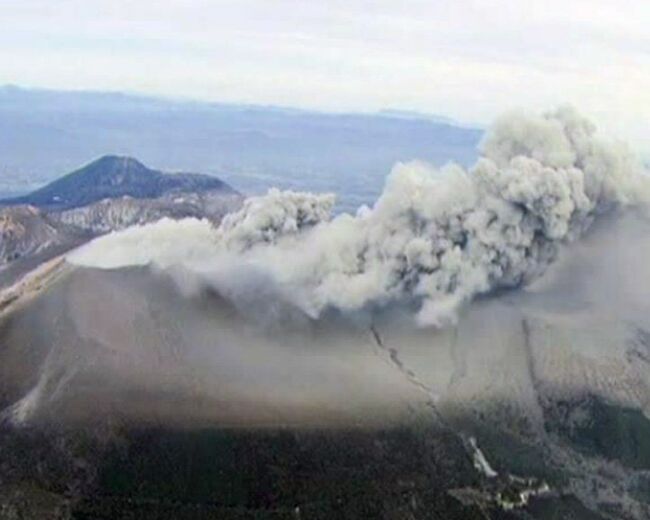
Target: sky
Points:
x,y
466,59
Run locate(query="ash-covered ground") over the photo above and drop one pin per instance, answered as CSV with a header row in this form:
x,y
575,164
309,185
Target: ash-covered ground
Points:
x,y
486,356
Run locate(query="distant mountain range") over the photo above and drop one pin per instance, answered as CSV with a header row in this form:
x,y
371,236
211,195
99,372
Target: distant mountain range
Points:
x,y
108,194
45,132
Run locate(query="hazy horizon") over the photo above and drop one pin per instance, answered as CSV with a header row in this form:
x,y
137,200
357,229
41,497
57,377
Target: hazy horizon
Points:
x,y
387,111
467,61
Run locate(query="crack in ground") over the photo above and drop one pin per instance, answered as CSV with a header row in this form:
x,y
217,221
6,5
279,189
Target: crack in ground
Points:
x,y
394,361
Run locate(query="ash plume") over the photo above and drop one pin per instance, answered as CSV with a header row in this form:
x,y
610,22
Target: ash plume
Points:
x,y
435,239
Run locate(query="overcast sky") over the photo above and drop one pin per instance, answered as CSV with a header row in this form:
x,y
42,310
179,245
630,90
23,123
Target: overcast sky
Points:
x,y
462,58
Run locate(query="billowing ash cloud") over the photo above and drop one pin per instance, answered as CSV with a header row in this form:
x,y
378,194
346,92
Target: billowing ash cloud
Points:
x,y
263,220
434,239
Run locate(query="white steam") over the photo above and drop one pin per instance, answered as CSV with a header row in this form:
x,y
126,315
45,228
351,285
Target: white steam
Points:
x,y
434,239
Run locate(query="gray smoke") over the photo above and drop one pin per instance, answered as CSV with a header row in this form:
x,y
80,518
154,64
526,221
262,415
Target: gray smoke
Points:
x,y
435,239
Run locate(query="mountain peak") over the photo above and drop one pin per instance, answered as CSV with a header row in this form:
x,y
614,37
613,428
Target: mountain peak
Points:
x,y
114,176
123,160
115,165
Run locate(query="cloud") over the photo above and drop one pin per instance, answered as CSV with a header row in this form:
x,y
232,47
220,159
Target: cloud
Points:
x,y
469,60
434,240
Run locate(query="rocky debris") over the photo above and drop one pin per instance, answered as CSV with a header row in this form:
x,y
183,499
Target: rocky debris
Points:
x,y
117,214
27,231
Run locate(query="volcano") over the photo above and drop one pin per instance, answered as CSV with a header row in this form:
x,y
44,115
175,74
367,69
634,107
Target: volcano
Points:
x,y
475,345
549,384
